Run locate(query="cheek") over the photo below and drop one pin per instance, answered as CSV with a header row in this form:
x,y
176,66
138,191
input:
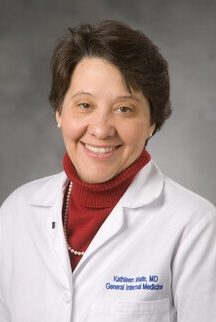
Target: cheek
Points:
x,y
134,134
70,130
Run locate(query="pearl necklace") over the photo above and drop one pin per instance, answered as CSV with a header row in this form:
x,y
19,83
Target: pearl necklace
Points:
x,y
65,218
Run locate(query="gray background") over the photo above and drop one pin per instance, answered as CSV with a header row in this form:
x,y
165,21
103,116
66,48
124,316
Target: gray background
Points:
x,y
30,144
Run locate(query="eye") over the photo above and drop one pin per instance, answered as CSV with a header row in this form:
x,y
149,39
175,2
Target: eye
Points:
x,y
125,109
84,106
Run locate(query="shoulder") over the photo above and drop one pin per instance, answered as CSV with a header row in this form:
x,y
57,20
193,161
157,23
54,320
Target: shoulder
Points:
x,y
155,191
25,192
182,210
151,186
186,210
183,198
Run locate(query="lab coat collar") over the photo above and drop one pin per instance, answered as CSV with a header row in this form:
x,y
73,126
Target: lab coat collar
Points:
x,y
146,187
50,191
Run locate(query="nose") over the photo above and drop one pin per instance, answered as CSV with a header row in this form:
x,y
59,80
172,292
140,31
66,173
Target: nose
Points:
x,y
101,126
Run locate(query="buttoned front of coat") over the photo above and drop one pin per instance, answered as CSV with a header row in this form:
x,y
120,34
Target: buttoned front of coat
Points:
x,y
153,259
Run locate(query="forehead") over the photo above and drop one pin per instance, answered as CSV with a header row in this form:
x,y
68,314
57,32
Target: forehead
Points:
x,y
97,73
96,67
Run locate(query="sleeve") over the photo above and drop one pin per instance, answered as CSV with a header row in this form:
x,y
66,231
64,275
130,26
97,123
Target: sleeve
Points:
x,y
194,273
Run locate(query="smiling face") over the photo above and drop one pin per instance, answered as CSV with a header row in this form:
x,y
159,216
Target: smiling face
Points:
x,y
104,126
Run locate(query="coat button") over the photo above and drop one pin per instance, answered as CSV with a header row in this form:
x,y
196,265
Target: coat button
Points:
x,y
67,297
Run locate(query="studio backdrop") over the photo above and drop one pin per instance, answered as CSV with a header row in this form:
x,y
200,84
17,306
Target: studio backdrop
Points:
x,y
30,143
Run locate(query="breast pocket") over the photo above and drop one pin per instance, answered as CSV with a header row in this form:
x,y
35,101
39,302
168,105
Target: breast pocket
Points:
x,y
148,311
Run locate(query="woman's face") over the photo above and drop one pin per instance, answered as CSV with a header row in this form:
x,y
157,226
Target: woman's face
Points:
x,y
104,126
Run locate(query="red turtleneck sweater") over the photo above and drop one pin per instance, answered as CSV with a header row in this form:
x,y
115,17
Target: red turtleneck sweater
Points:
x,y
90,204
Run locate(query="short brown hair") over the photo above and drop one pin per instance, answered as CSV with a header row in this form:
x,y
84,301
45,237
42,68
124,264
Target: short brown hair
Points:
x,y
131,51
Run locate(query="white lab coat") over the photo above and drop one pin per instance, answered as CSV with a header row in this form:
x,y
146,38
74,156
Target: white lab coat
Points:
x,y
153,259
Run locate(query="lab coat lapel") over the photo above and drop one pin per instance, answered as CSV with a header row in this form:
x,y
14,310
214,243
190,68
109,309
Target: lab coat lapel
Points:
x,y
45,223
145,189
110,228
57,238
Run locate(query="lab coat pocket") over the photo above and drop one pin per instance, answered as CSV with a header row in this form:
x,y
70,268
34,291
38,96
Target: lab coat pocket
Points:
x,y
148,311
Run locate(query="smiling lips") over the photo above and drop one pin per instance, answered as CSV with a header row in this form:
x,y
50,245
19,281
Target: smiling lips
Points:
x,y
100,150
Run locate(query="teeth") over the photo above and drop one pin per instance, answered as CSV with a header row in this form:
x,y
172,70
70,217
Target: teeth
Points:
x,y
99,150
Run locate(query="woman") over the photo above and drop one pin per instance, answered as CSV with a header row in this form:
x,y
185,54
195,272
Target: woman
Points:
x,y
111,238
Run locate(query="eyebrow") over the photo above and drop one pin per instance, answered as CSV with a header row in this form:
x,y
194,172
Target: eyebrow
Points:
x,y
129,97
80,93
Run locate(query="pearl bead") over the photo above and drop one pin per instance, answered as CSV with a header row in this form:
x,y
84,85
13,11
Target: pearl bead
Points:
x,y
73,251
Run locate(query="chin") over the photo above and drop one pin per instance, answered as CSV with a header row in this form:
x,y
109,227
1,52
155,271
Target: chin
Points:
x,y
97,178
96,174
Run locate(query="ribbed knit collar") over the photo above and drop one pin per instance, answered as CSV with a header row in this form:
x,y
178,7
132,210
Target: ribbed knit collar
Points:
x,y
106,194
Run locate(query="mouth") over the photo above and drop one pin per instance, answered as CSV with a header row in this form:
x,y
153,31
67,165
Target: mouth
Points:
x,y
100,149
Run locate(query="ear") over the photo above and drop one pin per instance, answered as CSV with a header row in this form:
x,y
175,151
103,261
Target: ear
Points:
x,y
151,130
58,118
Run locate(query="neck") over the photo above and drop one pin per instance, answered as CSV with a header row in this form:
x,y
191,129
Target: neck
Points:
x,y
102,195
